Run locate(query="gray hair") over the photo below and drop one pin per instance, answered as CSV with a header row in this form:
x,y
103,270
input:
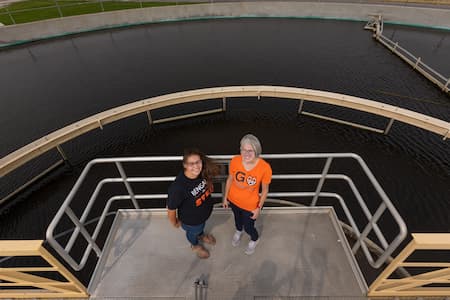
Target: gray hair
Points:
x,y
250,139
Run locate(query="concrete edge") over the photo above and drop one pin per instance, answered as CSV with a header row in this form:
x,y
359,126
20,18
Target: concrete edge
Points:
x,y
126,25
432,18
348,251
95,278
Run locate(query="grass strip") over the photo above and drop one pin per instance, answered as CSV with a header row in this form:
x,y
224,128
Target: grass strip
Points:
x,y
36,10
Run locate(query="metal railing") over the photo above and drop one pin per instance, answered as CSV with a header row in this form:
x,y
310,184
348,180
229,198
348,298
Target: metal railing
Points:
x,y
376,25
419,284
361,232
34,285
58,9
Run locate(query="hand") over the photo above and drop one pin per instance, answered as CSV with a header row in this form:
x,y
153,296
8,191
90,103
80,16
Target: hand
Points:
x,y
256,213
225,203
177,224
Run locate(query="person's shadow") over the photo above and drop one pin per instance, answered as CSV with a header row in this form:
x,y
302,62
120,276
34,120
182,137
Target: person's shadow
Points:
x,y
265,283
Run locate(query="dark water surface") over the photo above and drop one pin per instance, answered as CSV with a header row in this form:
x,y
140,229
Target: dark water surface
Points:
x,y
47,85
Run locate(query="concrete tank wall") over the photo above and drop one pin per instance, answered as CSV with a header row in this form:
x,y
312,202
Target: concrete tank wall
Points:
x,y
420,16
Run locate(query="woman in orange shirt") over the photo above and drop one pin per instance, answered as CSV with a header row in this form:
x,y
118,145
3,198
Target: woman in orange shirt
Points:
x,y
247,173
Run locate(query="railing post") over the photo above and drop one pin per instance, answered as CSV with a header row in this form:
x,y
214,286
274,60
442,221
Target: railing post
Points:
x,y
300,106
140,4
446,84
379,26
60,150
388,127
149,117
417,62
321,181
127,184
10,15
224,104
101,6
395,45
58,8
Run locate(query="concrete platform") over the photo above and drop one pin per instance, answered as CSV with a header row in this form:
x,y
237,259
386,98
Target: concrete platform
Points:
x,y
302,252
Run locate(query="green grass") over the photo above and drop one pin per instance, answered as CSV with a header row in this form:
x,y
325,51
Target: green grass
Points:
x,y
35,10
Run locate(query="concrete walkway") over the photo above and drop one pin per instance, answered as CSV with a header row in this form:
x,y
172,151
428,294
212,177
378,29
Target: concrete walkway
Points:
x,y
302,252
7,2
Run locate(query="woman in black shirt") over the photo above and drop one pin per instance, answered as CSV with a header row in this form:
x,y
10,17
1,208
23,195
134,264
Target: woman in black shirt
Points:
x,y
189,204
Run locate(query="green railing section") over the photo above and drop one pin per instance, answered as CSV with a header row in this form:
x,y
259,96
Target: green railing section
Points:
x,y
36,10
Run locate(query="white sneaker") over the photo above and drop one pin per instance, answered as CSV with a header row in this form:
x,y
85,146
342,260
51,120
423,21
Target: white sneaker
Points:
x,y
251,247
236,238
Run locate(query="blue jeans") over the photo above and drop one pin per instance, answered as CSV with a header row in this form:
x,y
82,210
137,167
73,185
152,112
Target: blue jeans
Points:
x,y
192,232
242,219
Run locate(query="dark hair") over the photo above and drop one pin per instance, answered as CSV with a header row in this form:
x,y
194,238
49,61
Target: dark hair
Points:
x,y
209,167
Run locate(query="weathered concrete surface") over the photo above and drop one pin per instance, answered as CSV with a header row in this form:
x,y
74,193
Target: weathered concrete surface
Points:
x,y
302,252
425,16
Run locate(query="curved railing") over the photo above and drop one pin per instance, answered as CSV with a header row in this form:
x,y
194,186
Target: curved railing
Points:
x,y
56,138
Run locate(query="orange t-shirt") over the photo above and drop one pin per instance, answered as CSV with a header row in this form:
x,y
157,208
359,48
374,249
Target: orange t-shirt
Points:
x,y
244,190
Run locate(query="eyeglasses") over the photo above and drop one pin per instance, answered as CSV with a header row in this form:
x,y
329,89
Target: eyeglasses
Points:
x,y
247,151
194,163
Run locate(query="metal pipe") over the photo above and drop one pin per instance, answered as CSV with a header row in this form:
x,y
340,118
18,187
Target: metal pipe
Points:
x,y
224,104
300,106
60,150
85,214
321,181
197,114
58,8
32,180
446,84
342,122
127,184
417,63
10,15
388,127
83,230
149,117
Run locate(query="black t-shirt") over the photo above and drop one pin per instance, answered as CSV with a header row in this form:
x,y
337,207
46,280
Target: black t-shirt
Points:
x,y
192,199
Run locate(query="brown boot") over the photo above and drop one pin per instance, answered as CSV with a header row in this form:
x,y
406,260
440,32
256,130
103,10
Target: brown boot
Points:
x,y
208,239
201,251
